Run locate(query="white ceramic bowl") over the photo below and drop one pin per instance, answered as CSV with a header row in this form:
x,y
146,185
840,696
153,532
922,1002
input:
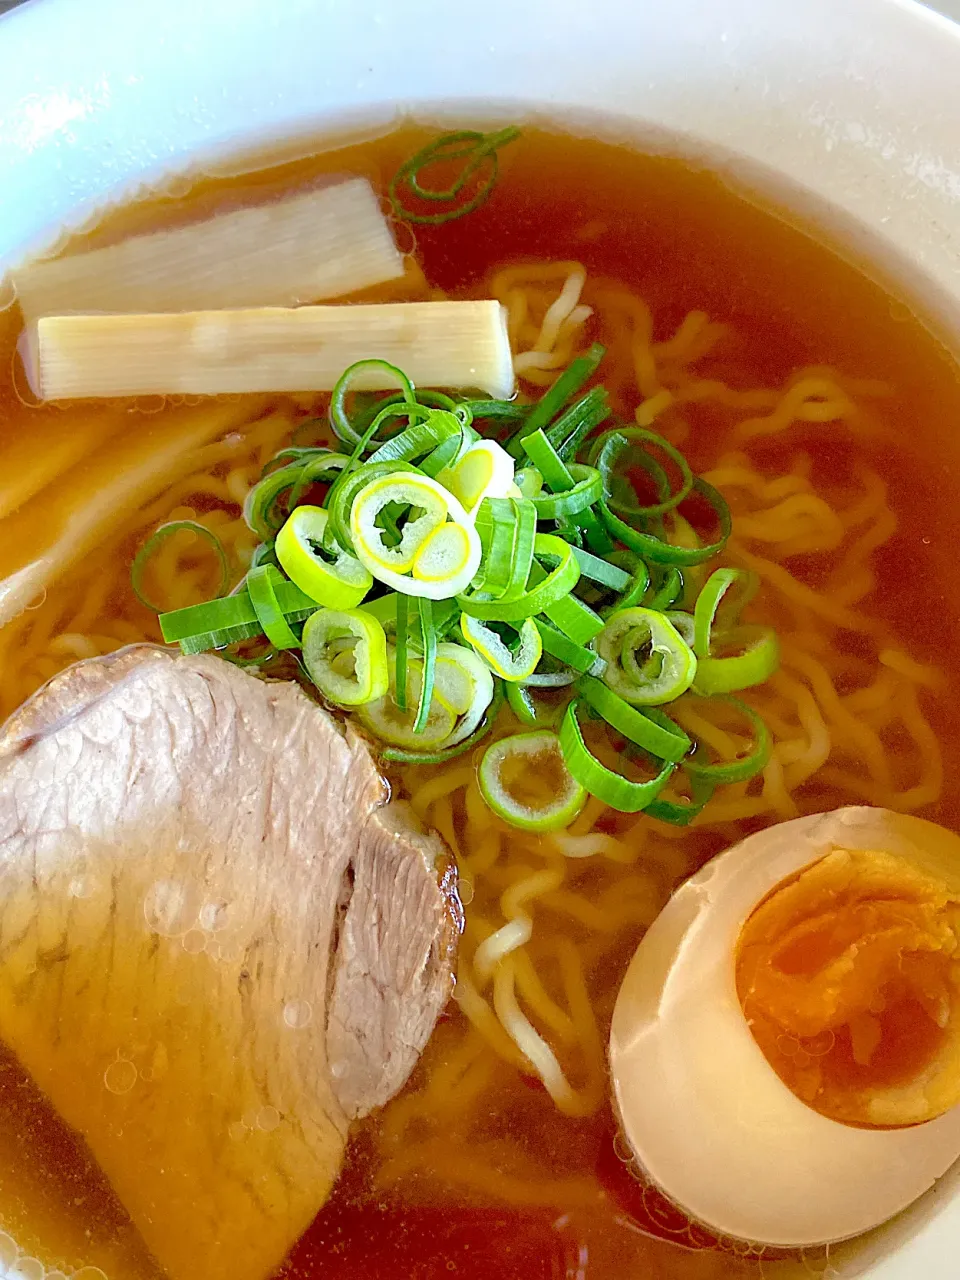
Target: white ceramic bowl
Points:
x,y
847,109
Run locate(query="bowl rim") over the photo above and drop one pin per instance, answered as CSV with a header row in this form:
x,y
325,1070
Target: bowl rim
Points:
x,y
851,108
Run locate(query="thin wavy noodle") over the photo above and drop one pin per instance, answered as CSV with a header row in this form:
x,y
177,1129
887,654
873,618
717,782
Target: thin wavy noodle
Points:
x,y
551,921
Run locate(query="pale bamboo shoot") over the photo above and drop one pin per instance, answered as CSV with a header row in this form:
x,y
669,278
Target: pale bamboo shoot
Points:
x,y
437,344
319,244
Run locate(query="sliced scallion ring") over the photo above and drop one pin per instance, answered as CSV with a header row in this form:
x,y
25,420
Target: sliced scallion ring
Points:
x,y
612,788
525,781
159,536
444,554
348,675
655,733
464,682
757,659
534,712
741,770
607,452
667,669
555,586
658,550
455,746
484,471
261,585
392,724
435,504
339,416
727,590
509,664
337,580
587,489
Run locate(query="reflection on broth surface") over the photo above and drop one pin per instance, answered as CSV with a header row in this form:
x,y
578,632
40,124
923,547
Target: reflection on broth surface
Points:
x,y
797,388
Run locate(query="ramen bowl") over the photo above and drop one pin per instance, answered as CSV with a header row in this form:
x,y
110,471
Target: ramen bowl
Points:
x,y
840,118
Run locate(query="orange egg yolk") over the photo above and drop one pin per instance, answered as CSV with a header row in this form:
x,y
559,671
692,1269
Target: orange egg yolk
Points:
x,y
849,978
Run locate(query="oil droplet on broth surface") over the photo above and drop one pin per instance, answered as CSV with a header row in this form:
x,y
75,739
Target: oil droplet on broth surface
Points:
x,y
27,1269
89,1273
214,916
267,1119
120,1076
297,1014
170,908
194,942
9,1250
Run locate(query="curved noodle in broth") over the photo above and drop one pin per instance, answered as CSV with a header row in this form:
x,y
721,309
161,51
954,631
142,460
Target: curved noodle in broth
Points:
x,y
802,455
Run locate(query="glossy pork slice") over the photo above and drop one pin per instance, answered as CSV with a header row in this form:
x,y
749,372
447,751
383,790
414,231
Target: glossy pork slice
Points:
x,y
217,945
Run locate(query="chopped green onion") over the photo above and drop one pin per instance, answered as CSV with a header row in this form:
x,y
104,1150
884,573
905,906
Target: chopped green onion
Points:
x,y
340,422
437,426
652,730
399,755
668,669
574,425
680,813
757,660
540,451
428,635
727,588
224,621
608,451
509,664
554,586
537,715
552,401
612,788
464,682
329,667
262,589
669,588
506,771
529,481
395,726
479,150
345,489
744,768
157,538
564,649
587,489
402,647
335,580
602,571
684,623
657,550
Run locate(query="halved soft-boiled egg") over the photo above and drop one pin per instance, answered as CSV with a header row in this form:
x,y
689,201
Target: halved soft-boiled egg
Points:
x,y
785,1049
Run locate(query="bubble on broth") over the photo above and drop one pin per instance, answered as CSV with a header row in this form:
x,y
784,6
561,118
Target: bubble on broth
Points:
x,y
268,1118
120,1076
9,1250
227,950
27,1269
170,908
89,1273
194,942
214,916
297,1014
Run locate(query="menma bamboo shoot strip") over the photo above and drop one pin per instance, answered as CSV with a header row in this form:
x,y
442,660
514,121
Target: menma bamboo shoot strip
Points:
x,y
319,244
438,344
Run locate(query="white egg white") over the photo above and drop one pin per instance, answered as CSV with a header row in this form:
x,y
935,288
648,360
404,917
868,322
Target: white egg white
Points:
x,y
705,1114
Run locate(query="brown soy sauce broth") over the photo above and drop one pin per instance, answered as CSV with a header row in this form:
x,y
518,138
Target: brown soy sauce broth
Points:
x,y
684,240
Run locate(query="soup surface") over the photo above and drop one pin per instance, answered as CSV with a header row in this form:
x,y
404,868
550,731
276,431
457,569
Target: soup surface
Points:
x,y
821,407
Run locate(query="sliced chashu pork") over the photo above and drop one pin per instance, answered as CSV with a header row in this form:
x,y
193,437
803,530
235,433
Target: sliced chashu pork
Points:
x,y
216,945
